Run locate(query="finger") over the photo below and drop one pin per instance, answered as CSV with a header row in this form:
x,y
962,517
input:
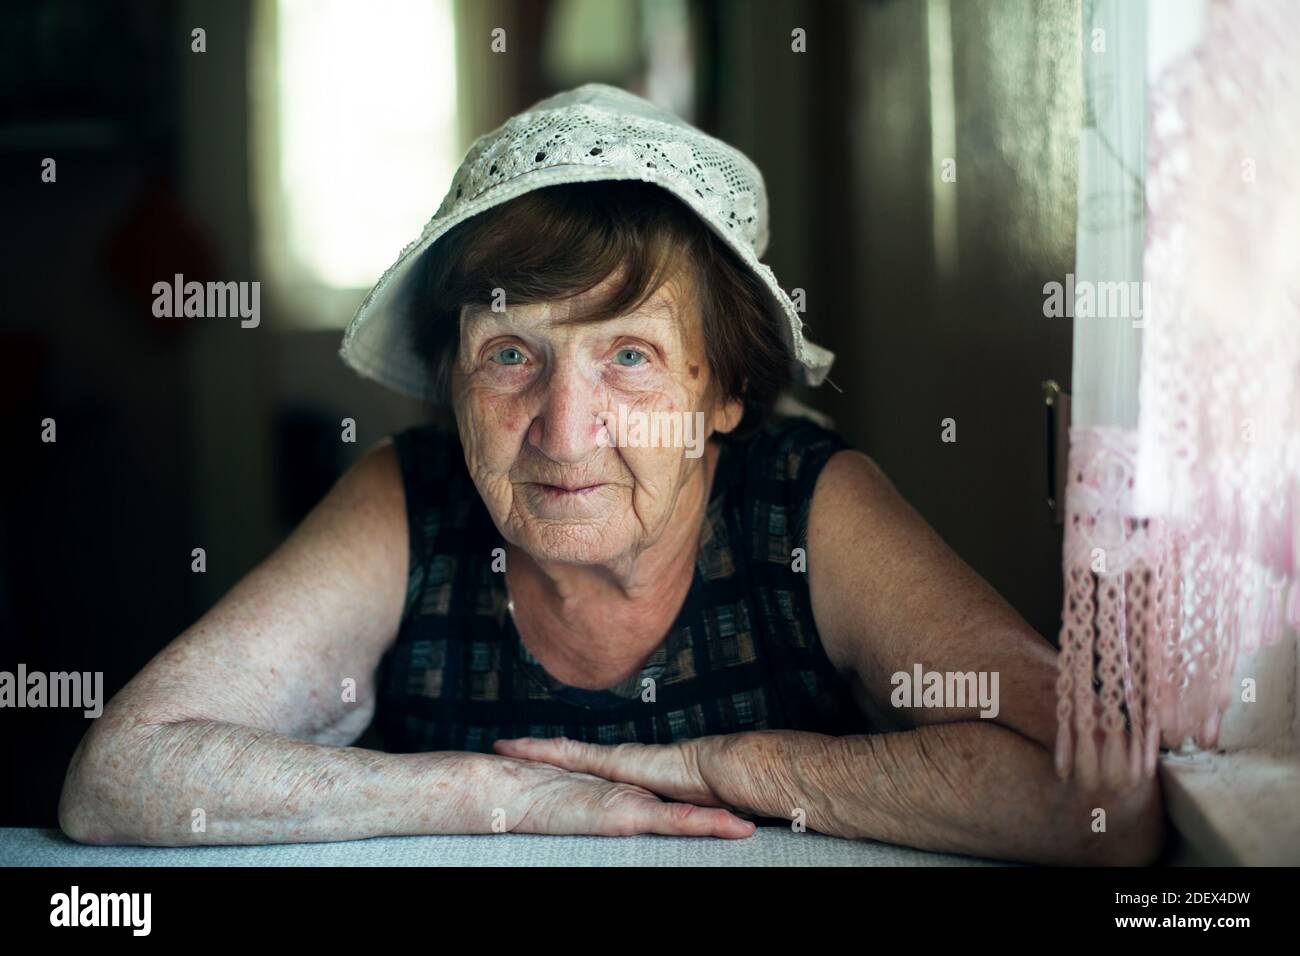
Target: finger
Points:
x,y
685,819
655,767
572,755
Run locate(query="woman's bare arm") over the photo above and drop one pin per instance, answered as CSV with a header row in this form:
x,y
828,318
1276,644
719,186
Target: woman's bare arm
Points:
x,y
971,787
888,595
237,731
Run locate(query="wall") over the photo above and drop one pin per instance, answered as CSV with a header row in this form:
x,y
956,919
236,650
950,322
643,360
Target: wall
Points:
x,y
933,307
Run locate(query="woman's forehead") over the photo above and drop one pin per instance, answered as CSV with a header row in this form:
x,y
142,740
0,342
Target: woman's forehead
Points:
x,y
667,309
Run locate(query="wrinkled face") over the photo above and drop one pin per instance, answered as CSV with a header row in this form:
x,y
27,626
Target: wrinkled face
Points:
x,y
581,437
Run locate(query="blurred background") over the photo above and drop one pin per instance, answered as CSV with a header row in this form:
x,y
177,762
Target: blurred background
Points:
x,y
309,142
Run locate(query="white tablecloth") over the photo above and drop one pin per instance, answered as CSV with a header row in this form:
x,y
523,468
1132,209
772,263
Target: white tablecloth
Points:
x,y
770,846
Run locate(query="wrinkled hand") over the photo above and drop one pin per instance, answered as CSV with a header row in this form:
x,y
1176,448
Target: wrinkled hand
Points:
x,y
553,799
685,770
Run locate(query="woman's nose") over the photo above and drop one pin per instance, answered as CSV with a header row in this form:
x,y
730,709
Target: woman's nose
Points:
x,y
567,426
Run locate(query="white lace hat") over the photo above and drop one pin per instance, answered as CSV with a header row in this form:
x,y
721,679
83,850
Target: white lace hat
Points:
x,y
594,132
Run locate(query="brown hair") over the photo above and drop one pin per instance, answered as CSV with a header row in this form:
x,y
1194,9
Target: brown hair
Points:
x,y
554,243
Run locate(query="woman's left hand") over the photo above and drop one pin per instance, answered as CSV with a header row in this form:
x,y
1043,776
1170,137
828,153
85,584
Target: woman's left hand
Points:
x,y
677,771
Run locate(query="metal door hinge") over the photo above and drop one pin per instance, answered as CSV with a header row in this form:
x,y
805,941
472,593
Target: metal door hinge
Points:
x,y
1056,405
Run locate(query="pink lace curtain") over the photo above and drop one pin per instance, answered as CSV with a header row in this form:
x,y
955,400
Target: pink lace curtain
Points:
x,y
1182,537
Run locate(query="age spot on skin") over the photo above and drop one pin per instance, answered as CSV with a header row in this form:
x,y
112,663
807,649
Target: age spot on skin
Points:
x,y
695,371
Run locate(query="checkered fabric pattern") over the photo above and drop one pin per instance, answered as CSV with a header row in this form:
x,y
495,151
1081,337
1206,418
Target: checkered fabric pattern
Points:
x,y
743,654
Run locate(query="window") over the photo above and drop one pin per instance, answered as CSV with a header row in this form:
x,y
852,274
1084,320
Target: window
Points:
x,y
355,112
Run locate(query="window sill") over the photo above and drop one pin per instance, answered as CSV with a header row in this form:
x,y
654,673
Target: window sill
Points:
x,y
1234,809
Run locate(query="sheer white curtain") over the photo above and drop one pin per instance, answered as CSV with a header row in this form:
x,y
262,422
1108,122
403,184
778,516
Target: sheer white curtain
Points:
x,y
1183,499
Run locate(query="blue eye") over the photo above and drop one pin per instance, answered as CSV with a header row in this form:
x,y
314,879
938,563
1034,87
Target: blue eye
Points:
x,y
630,358
510,356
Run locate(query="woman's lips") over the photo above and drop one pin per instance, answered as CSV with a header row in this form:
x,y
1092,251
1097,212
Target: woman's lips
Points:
x,y
561,502
559,491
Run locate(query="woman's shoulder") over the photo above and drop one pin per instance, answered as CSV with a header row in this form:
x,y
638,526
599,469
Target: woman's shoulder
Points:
x,y
440,495
445,517
428,451
776,473
789,451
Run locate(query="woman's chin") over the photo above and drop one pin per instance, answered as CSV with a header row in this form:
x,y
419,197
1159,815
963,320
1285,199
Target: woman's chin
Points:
x,y
572,542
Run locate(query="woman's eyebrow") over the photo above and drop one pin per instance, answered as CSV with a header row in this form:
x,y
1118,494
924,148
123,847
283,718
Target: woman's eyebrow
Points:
x,y
639,318
477,316
654,310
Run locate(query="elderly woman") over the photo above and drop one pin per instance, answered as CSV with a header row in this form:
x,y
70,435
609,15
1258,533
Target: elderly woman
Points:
x,y
622,595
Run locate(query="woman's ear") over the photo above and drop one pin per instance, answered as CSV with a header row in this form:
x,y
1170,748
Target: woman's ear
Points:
x,y
728,414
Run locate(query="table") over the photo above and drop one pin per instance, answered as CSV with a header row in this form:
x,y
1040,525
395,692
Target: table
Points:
x,y
770,846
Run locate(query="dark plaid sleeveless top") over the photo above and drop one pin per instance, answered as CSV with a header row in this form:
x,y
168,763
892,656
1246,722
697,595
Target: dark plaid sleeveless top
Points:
x,y
743,654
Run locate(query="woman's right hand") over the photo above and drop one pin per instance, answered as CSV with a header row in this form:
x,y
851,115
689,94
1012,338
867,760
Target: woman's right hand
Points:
x,y
547,799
